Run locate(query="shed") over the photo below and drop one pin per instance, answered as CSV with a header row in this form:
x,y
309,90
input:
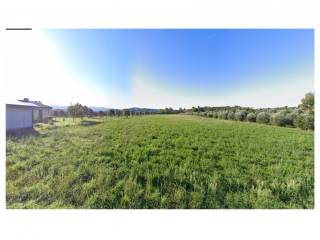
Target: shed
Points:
x,y
19,115
40,112
22,114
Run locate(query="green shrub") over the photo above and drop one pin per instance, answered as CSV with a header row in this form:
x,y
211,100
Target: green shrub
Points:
x,y
304,121
278,119
215,114
282,118
299,121
223,114
202,114
309,121
251,117
263,117
289,119
240,115
230,115
307,103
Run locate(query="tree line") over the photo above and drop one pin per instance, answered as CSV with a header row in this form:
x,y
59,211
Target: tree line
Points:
x,y
301,116
170,110
79,110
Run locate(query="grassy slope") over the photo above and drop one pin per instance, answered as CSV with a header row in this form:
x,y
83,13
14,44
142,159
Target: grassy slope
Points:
x,y
162,162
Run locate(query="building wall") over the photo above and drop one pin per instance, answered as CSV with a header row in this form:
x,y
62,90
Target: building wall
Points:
x,y
18,117
43,117
36,116
45,114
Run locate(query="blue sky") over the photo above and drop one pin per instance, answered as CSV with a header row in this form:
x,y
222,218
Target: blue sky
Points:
x,y
184,67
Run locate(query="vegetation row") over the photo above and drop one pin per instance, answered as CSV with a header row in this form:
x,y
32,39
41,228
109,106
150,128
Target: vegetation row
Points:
x,y
300,117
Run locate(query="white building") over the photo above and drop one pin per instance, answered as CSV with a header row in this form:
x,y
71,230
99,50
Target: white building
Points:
x,y
22,114
40,112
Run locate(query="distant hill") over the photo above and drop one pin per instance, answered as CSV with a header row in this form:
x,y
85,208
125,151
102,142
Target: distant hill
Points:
x,y
104,109
95,109
54,107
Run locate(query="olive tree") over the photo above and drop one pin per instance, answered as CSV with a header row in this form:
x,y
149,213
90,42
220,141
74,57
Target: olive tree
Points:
x,y
278,119
307,103
222,114
230,116
304,121
263,117
240,115
215,114
251,117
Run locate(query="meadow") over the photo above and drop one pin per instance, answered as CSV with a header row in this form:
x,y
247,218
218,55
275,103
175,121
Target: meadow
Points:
x,y
161,161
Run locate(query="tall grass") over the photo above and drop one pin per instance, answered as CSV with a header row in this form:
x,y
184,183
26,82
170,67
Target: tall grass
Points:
x,y
162,161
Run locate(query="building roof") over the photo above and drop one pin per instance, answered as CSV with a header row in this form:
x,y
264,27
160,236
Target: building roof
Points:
x,y
19,103
37,103
40,104
27,103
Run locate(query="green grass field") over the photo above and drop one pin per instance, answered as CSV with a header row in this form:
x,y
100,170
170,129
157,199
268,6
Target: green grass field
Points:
x,y
161,161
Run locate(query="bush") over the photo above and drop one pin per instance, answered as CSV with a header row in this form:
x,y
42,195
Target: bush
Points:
x,y
282,118
278,119
202,114
210,114
263,117
223,114
307,103
299,121
309,121
304,121
251,117
289,119
230,116
240,115
215,114
293,117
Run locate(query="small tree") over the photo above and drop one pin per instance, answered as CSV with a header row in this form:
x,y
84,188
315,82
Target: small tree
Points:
x,y
288,119
304,121
222,114
72,111
293,116
309,121
240,115
230,115
263,117
278,119
112,112
126,112
251,117
307,103
85,111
